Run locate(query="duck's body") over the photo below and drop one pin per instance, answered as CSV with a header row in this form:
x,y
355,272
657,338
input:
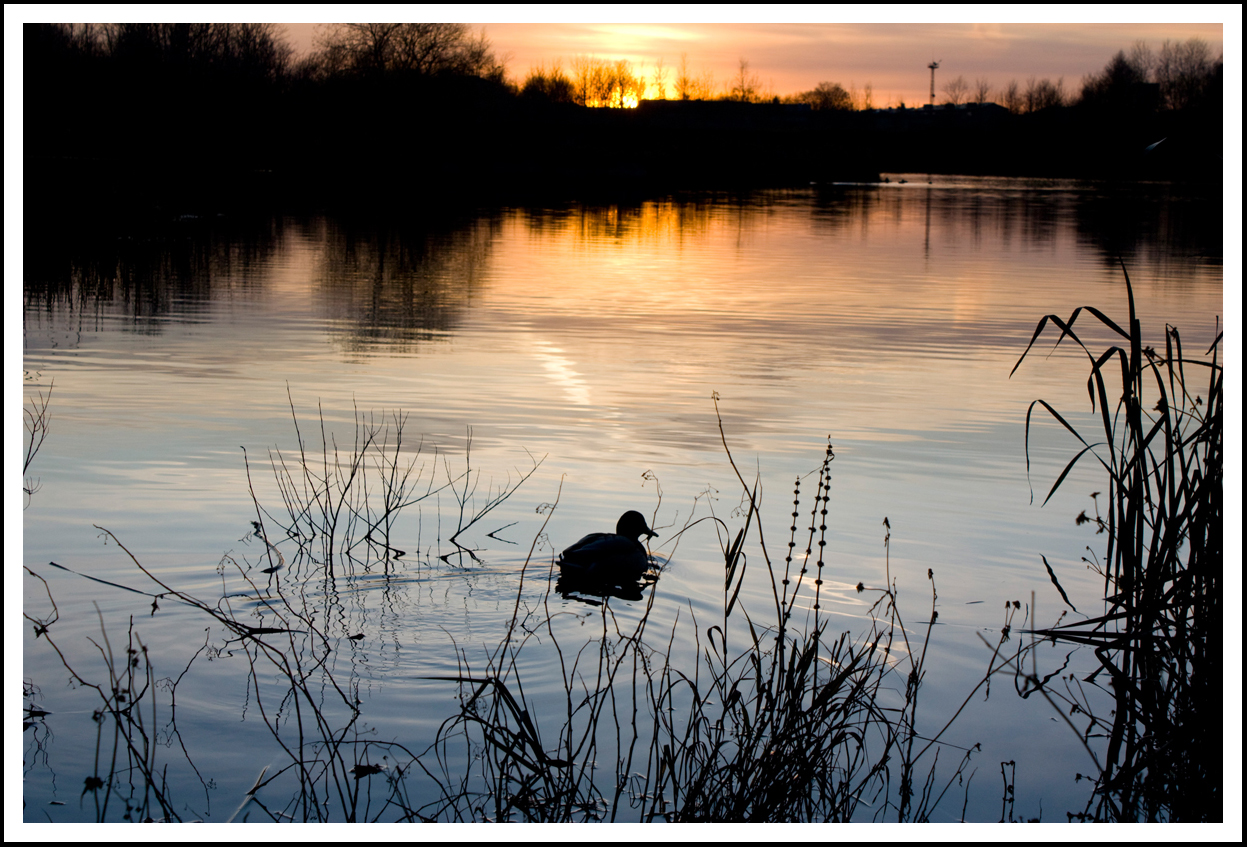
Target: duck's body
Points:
x,y
610,556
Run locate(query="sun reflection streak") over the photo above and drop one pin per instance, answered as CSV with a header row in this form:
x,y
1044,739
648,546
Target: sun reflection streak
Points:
x,y
562,372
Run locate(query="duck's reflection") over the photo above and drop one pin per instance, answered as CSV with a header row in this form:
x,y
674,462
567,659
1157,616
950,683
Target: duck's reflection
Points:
x,y
572,585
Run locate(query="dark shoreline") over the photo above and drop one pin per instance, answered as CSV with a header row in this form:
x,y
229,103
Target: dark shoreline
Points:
x,y
221,116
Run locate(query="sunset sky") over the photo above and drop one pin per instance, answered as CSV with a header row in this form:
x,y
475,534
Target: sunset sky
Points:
x,y
796,55
789,48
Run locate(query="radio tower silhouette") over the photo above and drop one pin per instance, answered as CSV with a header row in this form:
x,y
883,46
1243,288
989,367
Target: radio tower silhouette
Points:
x,y
933,66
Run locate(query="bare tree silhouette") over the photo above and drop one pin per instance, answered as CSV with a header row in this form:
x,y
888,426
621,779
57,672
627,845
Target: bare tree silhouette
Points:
x,y
982,91
746,85
956,91
428,49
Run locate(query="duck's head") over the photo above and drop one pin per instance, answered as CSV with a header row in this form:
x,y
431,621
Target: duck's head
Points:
x,y
632,525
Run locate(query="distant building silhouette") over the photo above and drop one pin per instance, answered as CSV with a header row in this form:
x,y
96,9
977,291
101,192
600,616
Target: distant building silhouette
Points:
x,y
726,114
964,115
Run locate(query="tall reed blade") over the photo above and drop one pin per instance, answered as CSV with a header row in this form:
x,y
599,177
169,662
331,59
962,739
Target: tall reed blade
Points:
x,y
1159,640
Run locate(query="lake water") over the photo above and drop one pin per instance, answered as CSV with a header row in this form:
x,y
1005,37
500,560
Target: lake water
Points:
x,y
587,342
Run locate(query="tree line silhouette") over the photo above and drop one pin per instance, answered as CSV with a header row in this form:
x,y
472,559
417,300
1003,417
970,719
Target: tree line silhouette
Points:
x,y
423,108
1184,74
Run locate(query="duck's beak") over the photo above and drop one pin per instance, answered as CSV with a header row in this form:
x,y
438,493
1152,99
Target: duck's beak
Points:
x,y
651,533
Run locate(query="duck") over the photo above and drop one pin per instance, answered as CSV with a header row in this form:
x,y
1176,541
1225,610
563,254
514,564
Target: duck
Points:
x,y
611,556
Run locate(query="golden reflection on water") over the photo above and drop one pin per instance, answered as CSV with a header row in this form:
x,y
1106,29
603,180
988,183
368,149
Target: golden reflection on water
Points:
x,y
887,318
889,312
912,330
885,315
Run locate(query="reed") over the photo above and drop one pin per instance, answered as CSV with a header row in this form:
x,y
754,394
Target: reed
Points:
x,y
772,722
772,718
124,771
338,506
35,419
1159,639
341,501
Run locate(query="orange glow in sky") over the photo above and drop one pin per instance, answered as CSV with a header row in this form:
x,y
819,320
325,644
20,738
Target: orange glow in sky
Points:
x,y
789,57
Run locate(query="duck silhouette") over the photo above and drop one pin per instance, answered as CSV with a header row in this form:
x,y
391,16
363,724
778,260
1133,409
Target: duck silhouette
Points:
x,y
611,557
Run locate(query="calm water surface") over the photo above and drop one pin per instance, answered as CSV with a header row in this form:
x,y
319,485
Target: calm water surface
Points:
x,y
590,339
